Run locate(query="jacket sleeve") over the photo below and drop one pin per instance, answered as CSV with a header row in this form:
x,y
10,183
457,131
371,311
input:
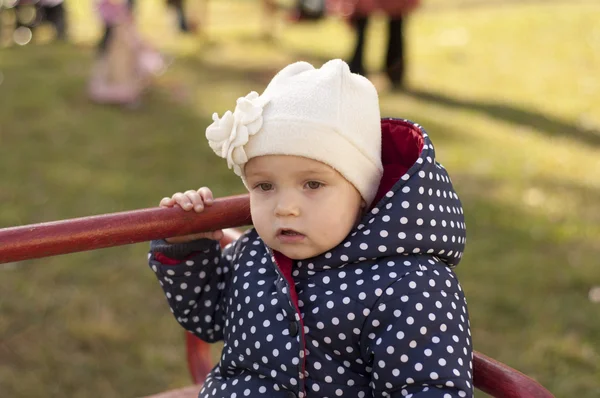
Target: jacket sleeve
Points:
x,y
417,338
196,286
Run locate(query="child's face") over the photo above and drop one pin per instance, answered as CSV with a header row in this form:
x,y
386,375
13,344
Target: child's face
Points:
x,y
300,207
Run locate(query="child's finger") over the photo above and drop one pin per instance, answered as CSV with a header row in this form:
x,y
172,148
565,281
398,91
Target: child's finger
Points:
x,y
166,202
206,195
196,200
183,201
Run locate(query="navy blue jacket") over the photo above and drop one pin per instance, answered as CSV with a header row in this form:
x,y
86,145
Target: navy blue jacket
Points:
x,y
380,315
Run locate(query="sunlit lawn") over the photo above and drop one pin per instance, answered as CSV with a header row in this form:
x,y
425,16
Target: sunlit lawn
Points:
x,y
509,94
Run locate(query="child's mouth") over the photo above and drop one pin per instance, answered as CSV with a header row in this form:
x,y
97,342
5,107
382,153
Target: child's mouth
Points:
x,y
289,236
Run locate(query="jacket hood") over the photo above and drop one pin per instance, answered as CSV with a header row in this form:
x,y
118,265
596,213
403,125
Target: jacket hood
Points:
x,y
415,212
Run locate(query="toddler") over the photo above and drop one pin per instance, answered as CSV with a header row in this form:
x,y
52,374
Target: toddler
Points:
x,y
126,63
344,287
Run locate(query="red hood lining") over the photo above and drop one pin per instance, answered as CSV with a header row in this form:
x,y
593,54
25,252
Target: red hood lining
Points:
x,y
401,146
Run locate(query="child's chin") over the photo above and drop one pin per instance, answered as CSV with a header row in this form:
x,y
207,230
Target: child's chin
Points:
x,y
295,255
300,254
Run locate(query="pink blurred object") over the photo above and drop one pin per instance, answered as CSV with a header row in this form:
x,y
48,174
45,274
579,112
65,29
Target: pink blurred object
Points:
x,y
126,68
112,12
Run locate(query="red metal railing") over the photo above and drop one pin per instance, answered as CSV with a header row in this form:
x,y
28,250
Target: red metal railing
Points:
x,y
96,232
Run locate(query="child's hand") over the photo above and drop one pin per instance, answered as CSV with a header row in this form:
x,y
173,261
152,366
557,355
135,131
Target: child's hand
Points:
x,y
189,200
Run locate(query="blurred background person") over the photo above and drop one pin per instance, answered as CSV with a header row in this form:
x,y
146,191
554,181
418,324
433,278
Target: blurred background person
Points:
x,y
358,12
182,21
126,62
108,27
178,5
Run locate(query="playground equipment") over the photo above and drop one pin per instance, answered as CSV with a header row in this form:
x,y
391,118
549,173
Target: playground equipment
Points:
x,y
108,230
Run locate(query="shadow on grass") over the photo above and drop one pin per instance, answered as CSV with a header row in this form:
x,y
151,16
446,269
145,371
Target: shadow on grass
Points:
x,y
229,72
551,126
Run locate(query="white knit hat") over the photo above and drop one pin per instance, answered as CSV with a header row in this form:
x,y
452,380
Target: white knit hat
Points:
x,y
329,114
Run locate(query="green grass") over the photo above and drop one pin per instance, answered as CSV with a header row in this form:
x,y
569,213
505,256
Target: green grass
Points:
x,y
510,95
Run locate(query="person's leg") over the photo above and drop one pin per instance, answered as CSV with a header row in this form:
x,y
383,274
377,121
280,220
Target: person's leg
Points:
x,y
104,40
356,62
183,26
180,11
269,19
395,62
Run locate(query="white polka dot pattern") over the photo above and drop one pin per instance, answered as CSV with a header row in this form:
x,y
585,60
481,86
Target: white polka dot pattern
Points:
x,y
380,315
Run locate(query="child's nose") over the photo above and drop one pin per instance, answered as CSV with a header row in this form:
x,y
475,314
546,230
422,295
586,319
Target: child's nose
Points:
x,y
287,206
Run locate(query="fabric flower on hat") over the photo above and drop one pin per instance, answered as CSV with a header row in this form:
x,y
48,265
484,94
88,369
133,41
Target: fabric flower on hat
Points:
x,y
228,135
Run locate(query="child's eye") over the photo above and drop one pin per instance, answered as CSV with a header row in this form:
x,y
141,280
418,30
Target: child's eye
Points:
x,y
265,186
314,185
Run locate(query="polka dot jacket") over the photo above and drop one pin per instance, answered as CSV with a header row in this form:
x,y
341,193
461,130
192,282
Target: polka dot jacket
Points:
x,y
380,315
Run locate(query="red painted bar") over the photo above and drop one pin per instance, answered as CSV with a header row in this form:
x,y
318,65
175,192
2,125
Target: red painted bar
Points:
x,y
116,229
499,380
